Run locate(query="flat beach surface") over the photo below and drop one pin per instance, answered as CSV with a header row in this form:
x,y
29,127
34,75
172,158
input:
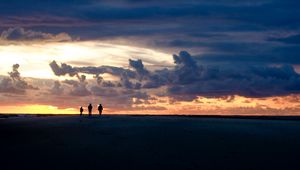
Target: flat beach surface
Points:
x,y
148,142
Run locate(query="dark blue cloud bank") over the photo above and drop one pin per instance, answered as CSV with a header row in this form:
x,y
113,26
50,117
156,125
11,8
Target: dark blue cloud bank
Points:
x,y
187,80
223,31
245,47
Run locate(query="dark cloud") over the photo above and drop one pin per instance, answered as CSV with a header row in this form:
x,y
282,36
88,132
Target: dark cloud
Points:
x,y
237,52
79,87
186,69
124,74
249,82
65,69
225,80
293,39
249,12
190,79
15,83
18,33
125,82
139,68
220,29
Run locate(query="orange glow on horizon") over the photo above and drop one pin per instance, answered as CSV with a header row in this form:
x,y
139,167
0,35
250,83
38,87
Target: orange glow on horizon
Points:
x,y
36,109
234,105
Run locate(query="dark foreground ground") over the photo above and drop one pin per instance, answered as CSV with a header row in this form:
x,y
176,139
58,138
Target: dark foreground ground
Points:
x,y
148,142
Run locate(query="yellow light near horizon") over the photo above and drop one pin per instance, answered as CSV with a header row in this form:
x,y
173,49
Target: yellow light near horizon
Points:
x,y
36,109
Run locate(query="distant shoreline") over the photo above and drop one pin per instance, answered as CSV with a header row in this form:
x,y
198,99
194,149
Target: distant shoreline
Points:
x,y
259,117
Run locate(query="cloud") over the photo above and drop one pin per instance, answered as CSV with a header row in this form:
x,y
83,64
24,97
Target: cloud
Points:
x,y
122,91
102,91
139,68
225,80
186,69
190,78
20,34
226,29
15,83
108,84
125,82
79,87
7,86
293,39
65,69
57,89
119,98
233,53
124,74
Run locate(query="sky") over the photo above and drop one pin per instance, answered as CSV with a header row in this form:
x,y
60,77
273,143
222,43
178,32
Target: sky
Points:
x,y
217,57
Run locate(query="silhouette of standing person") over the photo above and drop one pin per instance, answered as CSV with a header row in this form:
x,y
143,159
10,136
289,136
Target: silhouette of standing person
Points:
x,y
81,110
90,107
100,109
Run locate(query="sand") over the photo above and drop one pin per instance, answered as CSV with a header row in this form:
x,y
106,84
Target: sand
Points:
x,y
148,142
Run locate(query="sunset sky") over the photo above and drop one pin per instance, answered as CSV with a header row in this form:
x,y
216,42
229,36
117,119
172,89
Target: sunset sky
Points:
x,y
219,57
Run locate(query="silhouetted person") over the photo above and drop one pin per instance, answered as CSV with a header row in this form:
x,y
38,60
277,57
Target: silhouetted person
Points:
x,y
90,107
100,109
81,110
